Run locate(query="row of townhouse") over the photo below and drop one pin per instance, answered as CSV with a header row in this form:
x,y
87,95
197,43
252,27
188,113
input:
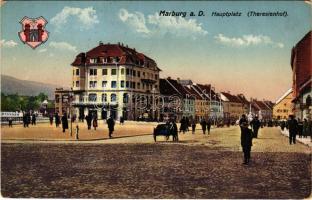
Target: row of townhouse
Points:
x,y
115,80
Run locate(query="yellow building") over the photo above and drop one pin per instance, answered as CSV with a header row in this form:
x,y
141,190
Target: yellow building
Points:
x,y
283,106
115,80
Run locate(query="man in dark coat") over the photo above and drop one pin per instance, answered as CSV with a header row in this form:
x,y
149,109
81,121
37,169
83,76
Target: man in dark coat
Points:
x,y
203,124
95,122
89,120
174,130
208,125
246,138
28,119
110,123
33,119
64,122
255,125
57,120
25,120
51,119
292,128
183,125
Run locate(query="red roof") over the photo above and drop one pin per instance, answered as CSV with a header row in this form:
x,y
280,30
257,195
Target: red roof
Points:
x,y
206,89
232,98
109,52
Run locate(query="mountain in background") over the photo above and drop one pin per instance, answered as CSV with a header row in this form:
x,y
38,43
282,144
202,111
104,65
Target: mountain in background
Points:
x,y
11,85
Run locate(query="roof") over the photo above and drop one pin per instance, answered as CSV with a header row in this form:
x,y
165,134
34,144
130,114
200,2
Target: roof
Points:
x,y
284,95
232,98
293,51
192,92
111,52
243,99
261,105
207,90
165,88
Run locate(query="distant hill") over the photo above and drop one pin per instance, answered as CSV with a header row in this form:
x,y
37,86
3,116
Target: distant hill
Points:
x,y
11,85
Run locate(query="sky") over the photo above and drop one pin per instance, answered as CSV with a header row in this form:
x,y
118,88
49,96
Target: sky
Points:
x,y
240,54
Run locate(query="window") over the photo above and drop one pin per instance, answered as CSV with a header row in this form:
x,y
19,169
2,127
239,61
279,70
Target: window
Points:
x,y
122,84
139,86
156,76
113,97
92,97
127,84
92,60
139,74
104,84
93,72
114,72
104,60
143,86
92,84
73,72
122,71
104,72
133,85
127,71
113,84
77,72
77,83
104,97
125,98
144,74
134,73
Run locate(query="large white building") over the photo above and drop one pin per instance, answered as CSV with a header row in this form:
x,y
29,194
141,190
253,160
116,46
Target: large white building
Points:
x,y
115,80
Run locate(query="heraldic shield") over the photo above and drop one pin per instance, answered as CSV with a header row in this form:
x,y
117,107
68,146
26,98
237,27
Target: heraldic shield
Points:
x,y
33,31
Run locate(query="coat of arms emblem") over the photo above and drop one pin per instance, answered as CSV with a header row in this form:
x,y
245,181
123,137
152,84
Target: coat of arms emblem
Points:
x,y
33,31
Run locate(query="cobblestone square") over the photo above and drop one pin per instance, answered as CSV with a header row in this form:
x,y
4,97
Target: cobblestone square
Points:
x,y
199,166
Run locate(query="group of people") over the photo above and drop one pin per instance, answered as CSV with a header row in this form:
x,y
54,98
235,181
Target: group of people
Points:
x,y
297,127
27,119
185,123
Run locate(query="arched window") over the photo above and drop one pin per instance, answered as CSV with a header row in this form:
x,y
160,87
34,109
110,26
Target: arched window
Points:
x,y
92,97
125,98
113,97
104,97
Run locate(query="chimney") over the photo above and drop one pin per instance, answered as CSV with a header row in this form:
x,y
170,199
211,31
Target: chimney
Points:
x,y
126,45
118,43
169,77
178,79
100,43
122,44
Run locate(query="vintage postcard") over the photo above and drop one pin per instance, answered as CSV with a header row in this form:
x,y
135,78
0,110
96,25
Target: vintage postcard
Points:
x,y
156,99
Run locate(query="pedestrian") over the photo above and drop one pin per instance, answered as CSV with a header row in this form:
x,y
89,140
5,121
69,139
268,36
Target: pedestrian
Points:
x,y
246,141
183,125
193,126
89,120
110,123
10,122
28,119
64,122
305,128
203,125
77,132
173,130
187,124
310,129
57,119
51,119
255,125
293,128
95,122
300,128
121,120
33,119
283,125
24,120
208,125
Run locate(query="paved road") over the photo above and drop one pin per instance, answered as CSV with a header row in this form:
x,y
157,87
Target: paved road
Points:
x,y
200,166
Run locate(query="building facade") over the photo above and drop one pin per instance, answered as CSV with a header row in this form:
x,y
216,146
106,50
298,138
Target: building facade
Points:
x,y
283,106
301,64
62,101
115,80
232,106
